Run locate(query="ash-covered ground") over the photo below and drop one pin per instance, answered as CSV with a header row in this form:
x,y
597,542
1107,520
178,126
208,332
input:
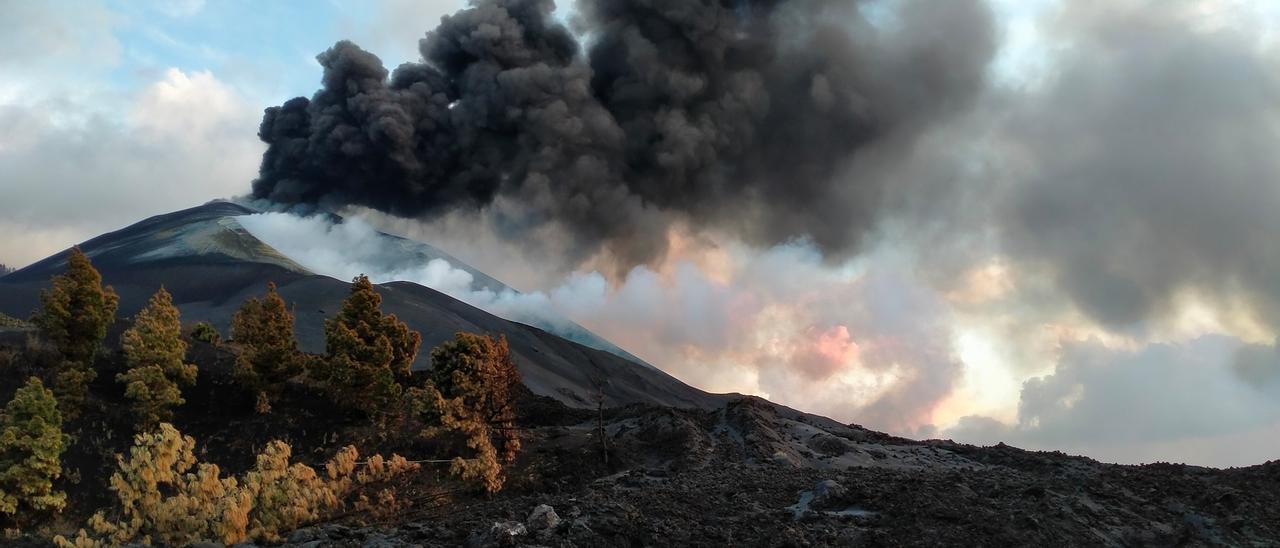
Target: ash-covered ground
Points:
x,y
756,474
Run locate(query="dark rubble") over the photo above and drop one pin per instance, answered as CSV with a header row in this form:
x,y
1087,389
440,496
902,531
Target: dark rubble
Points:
x,y
755,474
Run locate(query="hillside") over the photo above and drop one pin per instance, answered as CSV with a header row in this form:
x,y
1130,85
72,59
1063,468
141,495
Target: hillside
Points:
x,y
750,473
660,463
211,264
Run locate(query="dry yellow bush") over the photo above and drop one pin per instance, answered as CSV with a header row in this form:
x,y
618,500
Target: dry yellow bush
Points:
x,y
376,470
285,495
201,506
383,506
161,501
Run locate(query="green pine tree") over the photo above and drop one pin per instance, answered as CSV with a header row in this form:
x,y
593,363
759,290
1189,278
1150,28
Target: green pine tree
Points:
x,y
269,354
155,353
368,354
31,445
74,315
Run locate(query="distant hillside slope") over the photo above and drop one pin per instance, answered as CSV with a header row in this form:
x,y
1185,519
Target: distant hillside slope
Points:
x,y
211,265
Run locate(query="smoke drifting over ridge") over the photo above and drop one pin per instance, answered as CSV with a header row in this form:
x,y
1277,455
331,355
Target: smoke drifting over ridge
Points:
x,y
868,347
736,115
1096,216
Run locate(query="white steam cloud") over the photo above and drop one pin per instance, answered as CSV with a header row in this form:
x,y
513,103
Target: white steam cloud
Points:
x,y
352,247
859,344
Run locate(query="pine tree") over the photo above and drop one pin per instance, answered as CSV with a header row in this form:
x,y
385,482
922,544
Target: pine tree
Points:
x,y
473,387
368,354
31,445
269,354
77,310
74,315
155,352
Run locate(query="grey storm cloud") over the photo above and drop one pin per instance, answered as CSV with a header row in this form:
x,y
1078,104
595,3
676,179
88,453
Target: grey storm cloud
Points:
x,y
1153,166
736,115
1114,401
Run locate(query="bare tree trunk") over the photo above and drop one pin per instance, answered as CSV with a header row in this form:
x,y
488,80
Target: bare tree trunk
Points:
x,y
604,441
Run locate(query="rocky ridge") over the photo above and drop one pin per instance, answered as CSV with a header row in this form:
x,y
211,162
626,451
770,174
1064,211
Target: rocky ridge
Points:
x,y
756,474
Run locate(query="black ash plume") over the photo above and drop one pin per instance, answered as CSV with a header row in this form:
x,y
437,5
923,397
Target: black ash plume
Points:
x,y
737,115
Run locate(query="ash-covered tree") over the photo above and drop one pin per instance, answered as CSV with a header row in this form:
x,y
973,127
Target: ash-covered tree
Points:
x,y
474,383
367,353
31,445
269,354
155,353
74,315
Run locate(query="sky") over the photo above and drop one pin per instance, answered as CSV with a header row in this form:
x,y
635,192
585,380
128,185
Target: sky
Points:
x,y
1077,253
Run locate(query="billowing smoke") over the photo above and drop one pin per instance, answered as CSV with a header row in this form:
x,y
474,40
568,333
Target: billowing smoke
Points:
x,y
351,248
1149,176
740,115
863,346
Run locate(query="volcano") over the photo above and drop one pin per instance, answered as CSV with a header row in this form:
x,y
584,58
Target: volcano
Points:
x,y
211,263
616,452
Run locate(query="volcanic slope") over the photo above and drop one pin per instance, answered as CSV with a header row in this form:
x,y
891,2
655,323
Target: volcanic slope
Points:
x,y
664,464
210,263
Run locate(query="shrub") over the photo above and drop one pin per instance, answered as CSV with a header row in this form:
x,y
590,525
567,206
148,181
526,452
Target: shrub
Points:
x,y
162,501
31,445
473,385
269,354
155,351
206,333
10,321
367,353
74,315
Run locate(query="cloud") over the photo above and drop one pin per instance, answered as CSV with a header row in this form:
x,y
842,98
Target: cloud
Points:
x,y
75,166
39,39
1117,404
529,264
1144,167
392,27
350,248
180,8
1108,244
1258,364
777,322
1088,221
869,346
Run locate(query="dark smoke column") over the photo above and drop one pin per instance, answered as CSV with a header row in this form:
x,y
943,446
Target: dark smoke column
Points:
x,y
735,115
